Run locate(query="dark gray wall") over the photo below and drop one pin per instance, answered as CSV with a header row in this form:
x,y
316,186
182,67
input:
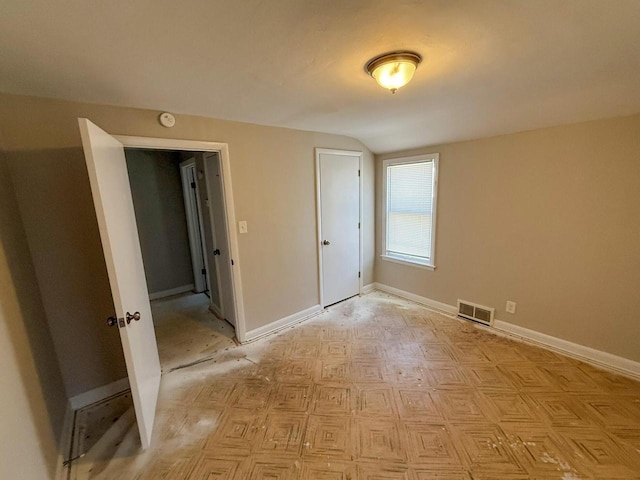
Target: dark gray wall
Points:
x,y
162,225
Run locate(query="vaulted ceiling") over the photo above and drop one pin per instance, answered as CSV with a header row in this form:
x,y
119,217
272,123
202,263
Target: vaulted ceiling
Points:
x,y
490,66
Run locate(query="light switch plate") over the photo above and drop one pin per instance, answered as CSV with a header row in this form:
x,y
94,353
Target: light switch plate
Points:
x,y
242,226
511,307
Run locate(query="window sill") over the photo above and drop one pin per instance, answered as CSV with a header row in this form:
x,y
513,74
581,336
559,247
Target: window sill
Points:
x,y
403,261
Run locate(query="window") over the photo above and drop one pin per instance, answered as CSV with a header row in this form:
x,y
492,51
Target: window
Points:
x,y
409,194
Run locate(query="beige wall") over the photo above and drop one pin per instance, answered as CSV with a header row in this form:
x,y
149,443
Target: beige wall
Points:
x,y
549,219
158,200
32,396
273,179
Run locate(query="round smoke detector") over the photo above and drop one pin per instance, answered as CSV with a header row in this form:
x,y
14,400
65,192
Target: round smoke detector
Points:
x,y
167,120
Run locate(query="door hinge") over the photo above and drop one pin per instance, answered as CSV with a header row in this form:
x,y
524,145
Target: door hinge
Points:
x,y
204,271
232,262
358,172
358,224
358,274
193,184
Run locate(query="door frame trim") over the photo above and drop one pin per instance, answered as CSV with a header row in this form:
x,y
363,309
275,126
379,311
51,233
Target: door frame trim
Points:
x,y
225,165
346,153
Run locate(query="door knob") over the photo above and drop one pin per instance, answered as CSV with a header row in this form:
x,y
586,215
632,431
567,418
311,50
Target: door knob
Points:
x,y
112,321
326,242
135,316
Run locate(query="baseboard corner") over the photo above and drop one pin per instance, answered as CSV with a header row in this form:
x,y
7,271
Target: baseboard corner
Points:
x,y
368,288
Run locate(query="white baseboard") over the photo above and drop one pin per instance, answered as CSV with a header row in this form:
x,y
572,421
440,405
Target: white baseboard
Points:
x,y
368,288
443,307
608,361
97,394
285,322
173,291
590,355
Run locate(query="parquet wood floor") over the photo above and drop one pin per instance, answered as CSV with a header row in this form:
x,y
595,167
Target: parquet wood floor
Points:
x,y
378,388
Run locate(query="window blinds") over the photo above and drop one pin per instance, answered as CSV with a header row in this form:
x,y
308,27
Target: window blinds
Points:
x,y
409,210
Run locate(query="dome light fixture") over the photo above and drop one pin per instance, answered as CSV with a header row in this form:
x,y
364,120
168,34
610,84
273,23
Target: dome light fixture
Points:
x,y
394,69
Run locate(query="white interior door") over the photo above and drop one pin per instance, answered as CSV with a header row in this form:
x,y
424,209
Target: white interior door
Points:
x,y
109,179
339,225
222,246
194,225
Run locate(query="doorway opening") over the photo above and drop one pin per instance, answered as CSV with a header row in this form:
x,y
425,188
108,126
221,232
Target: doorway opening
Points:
x,y
180,215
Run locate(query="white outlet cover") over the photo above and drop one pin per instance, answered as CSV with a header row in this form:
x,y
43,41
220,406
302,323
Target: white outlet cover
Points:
x,y
242,226
510,307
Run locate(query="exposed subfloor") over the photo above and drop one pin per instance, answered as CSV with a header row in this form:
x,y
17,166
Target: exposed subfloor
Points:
x,y
186,331
381,388
92,422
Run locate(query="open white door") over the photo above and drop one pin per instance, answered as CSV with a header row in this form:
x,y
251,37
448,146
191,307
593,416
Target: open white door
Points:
x,y
222,253
109,179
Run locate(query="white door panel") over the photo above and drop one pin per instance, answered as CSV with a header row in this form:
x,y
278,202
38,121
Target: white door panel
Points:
x,y
340,217
220,235
109,180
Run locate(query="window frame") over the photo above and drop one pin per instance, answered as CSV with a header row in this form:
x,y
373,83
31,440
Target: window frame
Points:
x,y
398,258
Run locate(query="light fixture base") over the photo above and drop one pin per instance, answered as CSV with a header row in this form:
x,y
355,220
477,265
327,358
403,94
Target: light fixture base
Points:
x,y
393,70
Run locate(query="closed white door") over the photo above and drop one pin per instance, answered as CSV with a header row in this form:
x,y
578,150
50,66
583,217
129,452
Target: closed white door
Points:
x,y
109,180
339,187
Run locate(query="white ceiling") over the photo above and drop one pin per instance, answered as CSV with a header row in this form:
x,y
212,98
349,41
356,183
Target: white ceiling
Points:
x,y
490,66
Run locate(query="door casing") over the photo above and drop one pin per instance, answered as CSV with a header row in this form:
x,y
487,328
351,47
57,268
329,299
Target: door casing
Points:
x,y
225,167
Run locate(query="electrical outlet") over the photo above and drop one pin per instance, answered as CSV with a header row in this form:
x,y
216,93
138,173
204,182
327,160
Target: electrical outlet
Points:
x,y
511,307
242,226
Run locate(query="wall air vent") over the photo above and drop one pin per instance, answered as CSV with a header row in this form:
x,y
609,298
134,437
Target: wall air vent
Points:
x,y
475,312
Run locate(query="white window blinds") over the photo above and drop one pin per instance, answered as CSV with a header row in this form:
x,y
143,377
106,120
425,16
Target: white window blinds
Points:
x,y
410,210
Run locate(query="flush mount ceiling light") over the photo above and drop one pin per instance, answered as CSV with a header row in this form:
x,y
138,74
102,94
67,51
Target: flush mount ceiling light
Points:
x,y
394,69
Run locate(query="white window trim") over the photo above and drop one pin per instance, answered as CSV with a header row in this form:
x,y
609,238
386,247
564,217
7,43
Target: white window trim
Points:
x,y
430,265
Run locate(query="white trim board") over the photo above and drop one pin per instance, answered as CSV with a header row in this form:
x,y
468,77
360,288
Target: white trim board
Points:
x,y
97,394
173,291
283,323
598,358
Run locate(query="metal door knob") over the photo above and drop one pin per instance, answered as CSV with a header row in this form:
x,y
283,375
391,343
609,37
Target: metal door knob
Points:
x,y
112,321
135,316
326,242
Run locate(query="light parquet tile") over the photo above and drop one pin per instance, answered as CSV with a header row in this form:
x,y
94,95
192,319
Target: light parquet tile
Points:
x,y
376,401
329,437
283,434
328,470
380,440
213,468
432,444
